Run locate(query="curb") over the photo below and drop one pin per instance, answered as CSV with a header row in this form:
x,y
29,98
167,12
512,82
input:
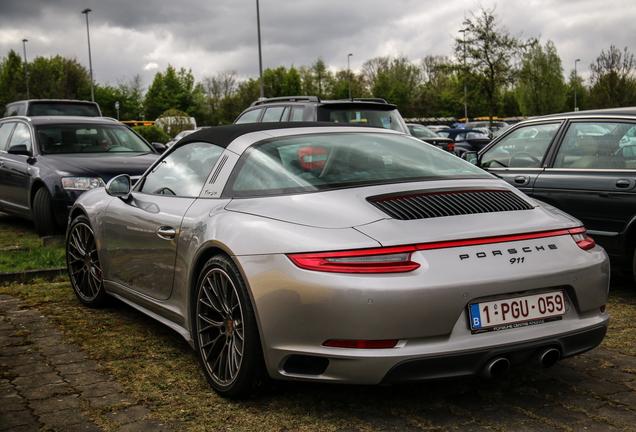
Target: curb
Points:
x,y
26,275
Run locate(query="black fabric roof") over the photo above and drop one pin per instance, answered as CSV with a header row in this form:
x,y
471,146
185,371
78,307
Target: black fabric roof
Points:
x,y
224,135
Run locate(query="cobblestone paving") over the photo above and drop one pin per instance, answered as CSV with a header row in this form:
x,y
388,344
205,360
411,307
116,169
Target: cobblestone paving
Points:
x,y
45,388
48,384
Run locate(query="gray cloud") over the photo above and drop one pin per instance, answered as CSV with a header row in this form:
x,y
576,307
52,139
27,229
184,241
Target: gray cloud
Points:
x,y
208,36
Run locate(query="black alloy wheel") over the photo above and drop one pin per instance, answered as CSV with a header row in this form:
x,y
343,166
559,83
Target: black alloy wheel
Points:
x,y
83,264
225,330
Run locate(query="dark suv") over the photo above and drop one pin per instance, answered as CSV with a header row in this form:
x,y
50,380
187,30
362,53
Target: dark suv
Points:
x,y
365,111
581,162
52,107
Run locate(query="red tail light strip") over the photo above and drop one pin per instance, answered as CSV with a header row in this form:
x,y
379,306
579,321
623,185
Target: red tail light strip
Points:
x,y
398,259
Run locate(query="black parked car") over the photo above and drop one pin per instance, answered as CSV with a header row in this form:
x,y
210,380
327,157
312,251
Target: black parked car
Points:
x,y
583,163
357,112
466,139
47,162
427,135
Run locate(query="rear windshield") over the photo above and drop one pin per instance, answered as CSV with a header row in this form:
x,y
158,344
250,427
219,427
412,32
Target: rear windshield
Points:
x,y
369,116
82,138
63,109
332,161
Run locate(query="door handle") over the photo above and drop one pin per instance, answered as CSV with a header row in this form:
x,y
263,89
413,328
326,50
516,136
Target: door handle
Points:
x,y
167,233
623,184
522,179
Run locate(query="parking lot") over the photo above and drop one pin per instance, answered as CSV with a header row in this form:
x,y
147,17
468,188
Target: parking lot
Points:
x,y
62,368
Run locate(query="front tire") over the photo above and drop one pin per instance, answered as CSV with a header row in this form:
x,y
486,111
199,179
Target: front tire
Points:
x,y
225,330
43,217
84,267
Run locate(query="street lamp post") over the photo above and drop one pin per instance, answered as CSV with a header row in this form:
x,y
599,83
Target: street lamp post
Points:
x,y
26,67
90,61
576,83
349,74
465,93
260,57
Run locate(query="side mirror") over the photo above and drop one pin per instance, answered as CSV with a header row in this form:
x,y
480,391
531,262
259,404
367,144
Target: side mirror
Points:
x,y
19,149
119,186
471,156
160,147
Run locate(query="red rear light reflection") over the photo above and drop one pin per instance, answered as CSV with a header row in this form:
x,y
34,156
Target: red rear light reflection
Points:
x,y
451,147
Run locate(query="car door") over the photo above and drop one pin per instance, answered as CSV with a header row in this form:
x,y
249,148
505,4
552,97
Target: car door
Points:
x,y
519,156
14,171
592,176
141,234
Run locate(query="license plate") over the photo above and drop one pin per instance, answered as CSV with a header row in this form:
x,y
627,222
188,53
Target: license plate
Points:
x,y
514,312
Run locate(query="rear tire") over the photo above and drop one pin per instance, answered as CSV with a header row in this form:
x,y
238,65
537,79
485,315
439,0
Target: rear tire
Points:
x,y
43,217
225,332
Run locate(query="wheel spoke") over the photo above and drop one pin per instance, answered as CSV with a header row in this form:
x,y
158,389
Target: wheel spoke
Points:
x,y
83,262
220,329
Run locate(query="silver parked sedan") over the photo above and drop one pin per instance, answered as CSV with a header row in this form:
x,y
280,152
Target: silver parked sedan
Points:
x,y
339,254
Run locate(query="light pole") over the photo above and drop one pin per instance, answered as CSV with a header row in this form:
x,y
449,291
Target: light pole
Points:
x,y
260,57
465,93
26,67
576,83
349,74
90,62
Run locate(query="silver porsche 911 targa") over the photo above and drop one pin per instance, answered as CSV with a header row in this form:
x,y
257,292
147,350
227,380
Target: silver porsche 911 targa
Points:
x,y
339,254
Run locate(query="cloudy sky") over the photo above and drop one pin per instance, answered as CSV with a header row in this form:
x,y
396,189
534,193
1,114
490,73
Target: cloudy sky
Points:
x,y
208,36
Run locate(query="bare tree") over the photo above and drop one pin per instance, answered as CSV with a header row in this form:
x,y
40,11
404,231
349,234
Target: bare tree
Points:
x,y
490,53
613,79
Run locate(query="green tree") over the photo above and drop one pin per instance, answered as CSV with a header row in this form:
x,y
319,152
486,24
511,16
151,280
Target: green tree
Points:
x,y
489,52
173,90
612,79
152,134
321,78
291,83
582,94
12,79
541,89
274,81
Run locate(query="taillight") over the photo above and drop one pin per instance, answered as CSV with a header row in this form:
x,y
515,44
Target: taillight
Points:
x,y
337,343
581,238
451,147
384,260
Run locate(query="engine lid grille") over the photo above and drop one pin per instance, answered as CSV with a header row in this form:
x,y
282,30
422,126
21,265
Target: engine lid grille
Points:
x,y
449,203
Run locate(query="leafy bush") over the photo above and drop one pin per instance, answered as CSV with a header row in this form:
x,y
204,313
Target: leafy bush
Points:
x,y
152,134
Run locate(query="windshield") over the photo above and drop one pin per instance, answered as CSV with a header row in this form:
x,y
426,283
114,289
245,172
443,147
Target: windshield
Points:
x,y
322,162
88,138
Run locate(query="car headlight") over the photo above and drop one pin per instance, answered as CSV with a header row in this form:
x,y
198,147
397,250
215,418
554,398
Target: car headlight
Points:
x,y
82,183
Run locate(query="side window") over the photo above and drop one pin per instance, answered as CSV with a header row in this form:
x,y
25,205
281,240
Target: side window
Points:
x,y
524,147
596,145
273,114
183,172
5,132
297,114
249,117
21,136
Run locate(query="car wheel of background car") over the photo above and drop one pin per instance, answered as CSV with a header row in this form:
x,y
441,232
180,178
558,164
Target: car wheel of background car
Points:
x,y
43,218
84,268
226,335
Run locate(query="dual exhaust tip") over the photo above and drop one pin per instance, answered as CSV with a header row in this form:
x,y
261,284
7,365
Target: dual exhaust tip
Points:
x,y
498,366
